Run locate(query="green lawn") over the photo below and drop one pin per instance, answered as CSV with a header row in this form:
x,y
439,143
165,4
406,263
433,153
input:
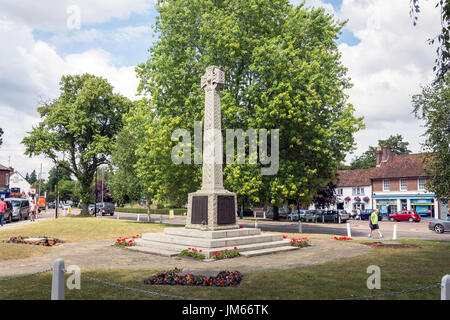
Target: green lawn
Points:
x,y
400,269
70,229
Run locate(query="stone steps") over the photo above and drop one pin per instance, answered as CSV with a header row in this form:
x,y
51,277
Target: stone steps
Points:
x,y
155,251
210,243
254,253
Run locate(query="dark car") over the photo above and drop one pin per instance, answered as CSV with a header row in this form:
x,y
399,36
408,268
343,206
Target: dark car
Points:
x,y
20,208
440,225
248,212
51,205
8,216
365,214
405,215
105,208
282,213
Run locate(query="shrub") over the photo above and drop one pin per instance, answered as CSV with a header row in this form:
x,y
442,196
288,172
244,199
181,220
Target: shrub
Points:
x,y
226,254
302,242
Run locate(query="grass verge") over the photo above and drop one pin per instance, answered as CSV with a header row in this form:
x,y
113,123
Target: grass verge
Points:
x,y
401,269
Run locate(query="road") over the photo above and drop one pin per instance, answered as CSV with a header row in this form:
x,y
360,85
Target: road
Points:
x,y
359,229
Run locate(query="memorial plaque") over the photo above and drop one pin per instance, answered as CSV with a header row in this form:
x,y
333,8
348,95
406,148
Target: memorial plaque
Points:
x,y
226,210
199,210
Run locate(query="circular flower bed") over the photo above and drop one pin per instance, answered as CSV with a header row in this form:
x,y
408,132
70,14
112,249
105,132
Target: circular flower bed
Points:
x,y
173,277
38,241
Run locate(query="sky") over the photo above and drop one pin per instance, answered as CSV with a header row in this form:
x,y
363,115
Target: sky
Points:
x,y
388,60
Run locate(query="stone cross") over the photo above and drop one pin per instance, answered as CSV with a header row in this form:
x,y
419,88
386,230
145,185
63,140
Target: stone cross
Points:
x,y
211,82
212,207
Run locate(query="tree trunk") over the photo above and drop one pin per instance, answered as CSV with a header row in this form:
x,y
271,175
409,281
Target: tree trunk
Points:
x,y
276,216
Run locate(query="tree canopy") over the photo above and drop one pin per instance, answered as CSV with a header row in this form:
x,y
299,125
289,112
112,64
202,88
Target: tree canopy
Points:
x,y
368,159
82,124
433,106
283,71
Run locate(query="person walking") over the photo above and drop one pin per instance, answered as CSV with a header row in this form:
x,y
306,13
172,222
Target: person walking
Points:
x,y
373,223
33,209
2,211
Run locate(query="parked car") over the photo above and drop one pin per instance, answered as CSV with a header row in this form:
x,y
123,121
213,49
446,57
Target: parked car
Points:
x,y
282,213
105,208
327,216
440,225
51,205
308,215
365,214
344,216
20,208
91,208
295,215
405,215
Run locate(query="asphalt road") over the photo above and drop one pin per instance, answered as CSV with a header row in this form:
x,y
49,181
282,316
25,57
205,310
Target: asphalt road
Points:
x,y
359,229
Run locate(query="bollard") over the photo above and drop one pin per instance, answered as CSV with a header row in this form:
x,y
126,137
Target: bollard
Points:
x,y
299,226
264,214
394,236
58,280
256,223
349,234
445,287
138,217
118,215
339,218
323,219
160,218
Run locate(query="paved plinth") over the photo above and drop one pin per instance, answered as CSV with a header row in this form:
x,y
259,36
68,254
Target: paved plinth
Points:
x,y
250,242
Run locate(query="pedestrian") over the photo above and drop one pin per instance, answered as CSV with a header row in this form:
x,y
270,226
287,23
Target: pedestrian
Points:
x,y
373,223
33,209
358,214
2,211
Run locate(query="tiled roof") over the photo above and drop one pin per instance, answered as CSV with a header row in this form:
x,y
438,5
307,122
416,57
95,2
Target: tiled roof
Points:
x,y
404,166
4,168
355,178
410,165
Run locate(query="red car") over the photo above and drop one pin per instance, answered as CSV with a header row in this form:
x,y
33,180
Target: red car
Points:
x,y
405,215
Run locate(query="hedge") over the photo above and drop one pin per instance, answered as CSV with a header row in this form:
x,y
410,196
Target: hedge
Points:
x,y
177,212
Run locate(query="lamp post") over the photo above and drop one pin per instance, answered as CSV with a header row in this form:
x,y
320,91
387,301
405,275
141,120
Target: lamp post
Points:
x,y
57,191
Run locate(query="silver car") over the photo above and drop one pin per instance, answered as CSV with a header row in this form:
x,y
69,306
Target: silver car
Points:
x,y
20,208
440,225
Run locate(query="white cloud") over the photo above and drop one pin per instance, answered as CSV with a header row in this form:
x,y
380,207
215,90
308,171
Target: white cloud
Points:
x,y
31,70
51,15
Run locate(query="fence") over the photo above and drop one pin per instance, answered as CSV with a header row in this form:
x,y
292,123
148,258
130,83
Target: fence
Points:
x,y
58,286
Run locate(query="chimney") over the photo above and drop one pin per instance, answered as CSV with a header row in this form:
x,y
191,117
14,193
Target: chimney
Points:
x,y
384,154
379,155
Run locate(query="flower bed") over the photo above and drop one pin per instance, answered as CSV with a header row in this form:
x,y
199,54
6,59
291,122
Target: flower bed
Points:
x,y
173,277
302,242
192,252
226,254
38,241
127,242
342,238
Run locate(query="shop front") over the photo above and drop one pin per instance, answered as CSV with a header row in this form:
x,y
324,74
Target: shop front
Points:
x,y
424,207
386,206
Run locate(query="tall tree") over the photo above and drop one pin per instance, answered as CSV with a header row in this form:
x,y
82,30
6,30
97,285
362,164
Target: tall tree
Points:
x,y
82,123
53,177
368,159
442,62
283,71
433,106
33,177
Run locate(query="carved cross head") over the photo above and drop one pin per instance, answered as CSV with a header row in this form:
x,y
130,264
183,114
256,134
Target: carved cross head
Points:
x,y
214,78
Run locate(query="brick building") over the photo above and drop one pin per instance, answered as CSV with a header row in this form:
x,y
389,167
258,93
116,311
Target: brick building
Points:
x,y
5,174
397,183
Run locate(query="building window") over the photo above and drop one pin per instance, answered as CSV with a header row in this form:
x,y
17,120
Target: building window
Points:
x,y
339,191
403,185
7,179
386,185
422,182
357,191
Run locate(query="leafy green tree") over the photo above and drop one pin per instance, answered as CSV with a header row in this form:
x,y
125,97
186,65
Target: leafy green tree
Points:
x,y
368,159
32,178
63,174
433,106
123,181
283,71
82,123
